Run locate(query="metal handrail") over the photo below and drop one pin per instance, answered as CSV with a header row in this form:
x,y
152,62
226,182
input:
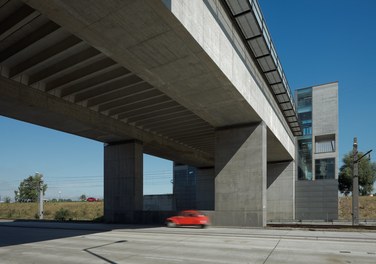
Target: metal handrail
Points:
x,y
258,14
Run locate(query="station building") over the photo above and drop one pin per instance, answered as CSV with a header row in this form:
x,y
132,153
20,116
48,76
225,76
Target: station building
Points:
x,y
316,187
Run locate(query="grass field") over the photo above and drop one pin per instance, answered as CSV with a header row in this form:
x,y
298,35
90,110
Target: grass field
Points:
x,y
53,211
367,208
94,211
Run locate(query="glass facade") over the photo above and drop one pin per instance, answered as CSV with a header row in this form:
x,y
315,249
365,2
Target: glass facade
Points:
x,y
305,159
304,105
306,122
325,168
184,187
310,167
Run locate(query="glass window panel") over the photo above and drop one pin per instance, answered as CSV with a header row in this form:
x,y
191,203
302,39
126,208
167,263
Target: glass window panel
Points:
x,y
305,159
238,6
271,78
304,97
258,46
248,25
286,106
278,88
283,98
306,122
289,112
324,169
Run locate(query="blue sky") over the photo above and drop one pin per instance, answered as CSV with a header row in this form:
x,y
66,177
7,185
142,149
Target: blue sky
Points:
x,y
323,41
71,165
317,42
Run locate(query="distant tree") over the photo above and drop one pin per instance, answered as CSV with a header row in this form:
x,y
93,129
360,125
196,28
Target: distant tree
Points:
x,y
83,197
28,191
367,175
7,199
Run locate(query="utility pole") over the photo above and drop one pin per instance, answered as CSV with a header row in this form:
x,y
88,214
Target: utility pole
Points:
x,y
355,189
40,188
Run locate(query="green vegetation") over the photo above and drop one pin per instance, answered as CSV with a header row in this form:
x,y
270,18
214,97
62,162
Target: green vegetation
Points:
x,y
83,197
65,211
29,188
64,214
367,175
53,210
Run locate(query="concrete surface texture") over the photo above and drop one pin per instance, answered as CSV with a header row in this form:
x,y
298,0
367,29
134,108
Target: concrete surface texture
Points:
x,y
123,181
240,181
212,29
325,109
325,119
281,191
96,243
140,66
173,76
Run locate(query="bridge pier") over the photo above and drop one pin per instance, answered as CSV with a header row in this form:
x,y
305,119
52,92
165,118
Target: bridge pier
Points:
x,y
281,190
240,181
123,182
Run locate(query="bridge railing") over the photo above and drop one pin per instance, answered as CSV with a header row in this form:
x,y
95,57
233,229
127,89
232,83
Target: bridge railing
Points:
x,y
251,24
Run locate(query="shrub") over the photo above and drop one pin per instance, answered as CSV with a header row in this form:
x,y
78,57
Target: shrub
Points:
x,y
10,213
47,213
63,214
99,219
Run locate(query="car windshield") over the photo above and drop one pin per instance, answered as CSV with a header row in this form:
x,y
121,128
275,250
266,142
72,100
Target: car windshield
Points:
x,y
190,213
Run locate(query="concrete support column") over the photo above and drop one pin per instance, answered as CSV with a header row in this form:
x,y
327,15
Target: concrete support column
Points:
x,y
281,190
205,188
123,182
240,181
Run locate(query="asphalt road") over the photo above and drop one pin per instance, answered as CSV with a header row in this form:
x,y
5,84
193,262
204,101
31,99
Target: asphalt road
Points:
x,y
34,242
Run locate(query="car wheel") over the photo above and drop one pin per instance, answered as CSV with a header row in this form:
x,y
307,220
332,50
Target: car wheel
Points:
x,y
204,226
171,224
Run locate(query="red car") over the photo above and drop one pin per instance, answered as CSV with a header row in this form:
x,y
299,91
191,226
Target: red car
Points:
x,y
91,199
188,218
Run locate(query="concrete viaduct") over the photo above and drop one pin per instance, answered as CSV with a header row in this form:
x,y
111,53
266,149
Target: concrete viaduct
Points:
x,y
197,82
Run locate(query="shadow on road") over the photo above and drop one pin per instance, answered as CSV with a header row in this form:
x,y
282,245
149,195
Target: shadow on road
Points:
x,y
89,250
22,232
19,232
